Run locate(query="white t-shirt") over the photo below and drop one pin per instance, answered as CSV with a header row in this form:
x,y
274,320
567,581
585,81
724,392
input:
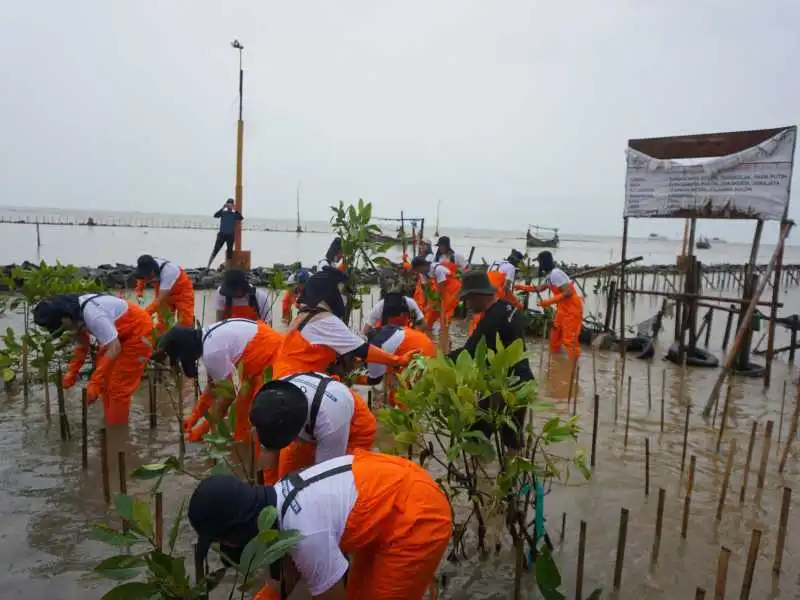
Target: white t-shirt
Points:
x,y
377,311
100,314
263,302
169,274
332,427
319,512
505,267
224,345
439,272
458,259
329,330
323,263
557,278
374,370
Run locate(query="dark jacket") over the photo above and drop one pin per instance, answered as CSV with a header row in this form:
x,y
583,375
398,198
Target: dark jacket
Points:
x,y
227,219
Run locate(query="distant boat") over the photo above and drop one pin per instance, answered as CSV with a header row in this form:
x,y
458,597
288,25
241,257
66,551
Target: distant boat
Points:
x,y
537,239
718,240
703,243
656,237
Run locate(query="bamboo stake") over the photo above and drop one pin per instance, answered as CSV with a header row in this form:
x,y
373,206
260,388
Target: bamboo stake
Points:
x,y
616,391
685,436
594,370
151,387
199,568
63,422
46,393
595,418
181,432
726,479
104,465
571,381
762,471
581,557
687,500
84,430
728,392
780,422
647,466
725,409
746,319
563,527
722,573
792,432
782,524
123,481
623,534
159,517
628,412
662,497
649,388
749,458
25,382
752,556
700,594
663,396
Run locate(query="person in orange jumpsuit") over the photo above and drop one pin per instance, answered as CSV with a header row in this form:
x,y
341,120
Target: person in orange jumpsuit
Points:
x,y
223,347
298,279
444,283
308,418
568,322
445,254
398,340
318,336
386,512
174,292
394,308
502,274
123,331
238,298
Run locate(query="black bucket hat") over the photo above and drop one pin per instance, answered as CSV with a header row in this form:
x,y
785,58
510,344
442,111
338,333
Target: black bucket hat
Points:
x,y
182,345
476,282
515,257
546,262
225,507
443,241
235,283
323,286
279,411
48,313
146,266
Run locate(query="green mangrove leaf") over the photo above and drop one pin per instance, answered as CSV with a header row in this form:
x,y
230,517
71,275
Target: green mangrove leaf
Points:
x,y
267,518
104,533
133,590
176,526
121,567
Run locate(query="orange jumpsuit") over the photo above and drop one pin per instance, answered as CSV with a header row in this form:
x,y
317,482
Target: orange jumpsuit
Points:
x,y
396,533
289,300
180,301
117,378
259,353
445,307
568,321
299,454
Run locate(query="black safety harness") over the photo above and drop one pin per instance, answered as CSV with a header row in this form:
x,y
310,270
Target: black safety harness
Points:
x,y
252,302
216,326
299,484
316,402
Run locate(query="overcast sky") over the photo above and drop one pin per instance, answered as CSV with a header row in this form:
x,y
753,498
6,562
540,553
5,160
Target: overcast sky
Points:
x,y
509,111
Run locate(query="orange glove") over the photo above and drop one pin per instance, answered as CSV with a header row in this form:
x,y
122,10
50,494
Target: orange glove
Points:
x,y
378,356
286,306
92,392
199,431
551,300
199,411
70,379
523,287
151,308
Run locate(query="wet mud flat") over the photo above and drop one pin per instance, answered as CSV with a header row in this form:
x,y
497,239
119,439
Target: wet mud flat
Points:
x,y
48,503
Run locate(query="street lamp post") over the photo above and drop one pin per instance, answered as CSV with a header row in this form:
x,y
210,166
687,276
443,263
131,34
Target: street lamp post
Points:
x,y
241,258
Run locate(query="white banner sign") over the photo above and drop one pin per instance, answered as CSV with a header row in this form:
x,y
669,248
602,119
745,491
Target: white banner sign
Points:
x,y
751,184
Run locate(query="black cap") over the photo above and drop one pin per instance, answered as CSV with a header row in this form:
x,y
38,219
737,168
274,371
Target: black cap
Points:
x,y
49,313
279,411
223,506
184,345
443,241
235,283
229,201
146,266
546,262
476,282
515,257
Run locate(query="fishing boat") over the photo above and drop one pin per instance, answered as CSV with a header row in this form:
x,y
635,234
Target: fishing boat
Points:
x,y
703,243
541,237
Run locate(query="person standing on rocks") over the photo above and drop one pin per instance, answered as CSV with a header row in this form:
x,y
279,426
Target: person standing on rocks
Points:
x,y
228,217
174,292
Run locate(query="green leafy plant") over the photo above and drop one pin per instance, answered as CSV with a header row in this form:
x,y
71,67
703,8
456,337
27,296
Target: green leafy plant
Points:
x,y
440,399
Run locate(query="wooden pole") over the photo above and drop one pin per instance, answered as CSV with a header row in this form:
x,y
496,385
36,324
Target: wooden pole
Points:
x,y
628,412
151,383
63,422
685,435
104,465
776,285
700,594
84,430
726,478
687,500
581,557
563,527
649,388
616,391
782,524
622,285
762,470
647,466
750,567
745,323
123,480
662,497
595,418
792,432
725,409
722,573
749,458
780,421
623,534
663,396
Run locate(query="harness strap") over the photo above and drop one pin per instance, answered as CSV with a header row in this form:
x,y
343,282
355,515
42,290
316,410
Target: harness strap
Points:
x,y
252,302
216,326
316,402
299,484
89,299
310,313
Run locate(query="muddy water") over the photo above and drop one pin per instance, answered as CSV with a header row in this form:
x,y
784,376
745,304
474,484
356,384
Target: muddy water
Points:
x,y
47,503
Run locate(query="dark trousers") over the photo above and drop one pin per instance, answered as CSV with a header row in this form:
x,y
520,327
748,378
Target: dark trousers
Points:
x,y
223,239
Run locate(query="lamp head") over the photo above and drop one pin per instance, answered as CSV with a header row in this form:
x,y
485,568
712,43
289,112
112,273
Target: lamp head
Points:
x,y
237,45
